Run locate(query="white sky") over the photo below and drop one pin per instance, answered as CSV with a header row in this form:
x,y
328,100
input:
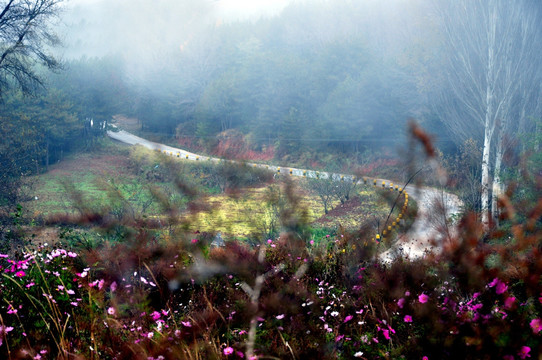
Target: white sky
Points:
x,y
229,9
244,9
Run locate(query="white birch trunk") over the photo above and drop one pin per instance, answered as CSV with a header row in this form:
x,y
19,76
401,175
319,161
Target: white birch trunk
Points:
x,y
486,178
497,181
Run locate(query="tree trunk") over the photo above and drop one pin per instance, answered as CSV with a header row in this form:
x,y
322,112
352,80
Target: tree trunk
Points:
x,y
485,181
47,156
537,137
497,181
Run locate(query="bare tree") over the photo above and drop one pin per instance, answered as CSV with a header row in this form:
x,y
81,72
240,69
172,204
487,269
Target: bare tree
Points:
x,y
491,46
25,40
325,189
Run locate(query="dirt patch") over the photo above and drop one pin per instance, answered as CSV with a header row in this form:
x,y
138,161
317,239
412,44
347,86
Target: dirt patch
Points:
x,y
96,163
349,207
43,235
351,215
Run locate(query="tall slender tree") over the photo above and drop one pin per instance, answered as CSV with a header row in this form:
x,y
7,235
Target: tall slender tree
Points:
x,y
491,46
25,40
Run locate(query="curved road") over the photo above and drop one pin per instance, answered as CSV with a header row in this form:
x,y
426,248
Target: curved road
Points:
x,y
431,228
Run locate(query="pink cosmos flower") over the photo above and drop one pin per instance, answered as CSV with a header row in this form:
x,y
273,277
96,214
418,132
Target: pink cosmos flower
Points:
x,y
20,273
186,323
155,315
536,325
423,298
401,302
524,352
408,318
280,317
501,288
228,351
509,302
386,334
111,310
425,358
348,318
3,331
194,241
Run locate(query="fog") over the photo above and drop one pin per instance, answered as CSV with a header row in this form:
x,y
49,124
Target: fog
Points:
x,y
341,71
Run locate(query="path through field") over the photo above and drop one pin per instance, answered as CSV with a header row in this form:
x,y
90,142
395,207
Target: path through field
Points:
x,y
430,229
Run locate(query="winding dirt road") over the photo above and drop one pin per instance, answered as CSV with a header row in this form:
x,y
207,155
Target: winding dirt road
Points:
x,y
436,208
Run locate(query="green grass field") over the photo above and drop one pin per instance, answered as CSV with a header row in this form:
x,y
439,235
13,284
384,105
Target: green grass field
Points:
x,y
120,178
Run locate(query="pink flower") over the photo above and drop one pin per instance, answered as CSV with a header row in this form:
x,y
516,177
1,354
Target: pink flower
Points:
x,y
401,302
3,331
113,286
348,318
280,317
194,241
423,298
311,242
228,351
425,358
155,315
20,273
536,325
408,318
501,288
111,311
509,302
386,334
524,352
186,323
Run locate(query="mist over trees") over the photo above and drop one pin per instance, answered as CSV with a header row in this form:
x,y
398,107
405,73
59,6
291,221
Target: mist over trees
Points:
x,y
25,40
334,76
318,77
492,79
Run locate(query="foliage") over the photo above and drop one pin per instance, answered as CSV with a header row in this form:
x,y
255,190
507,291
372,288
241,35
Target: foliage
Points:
x,y
160,290
27,39
466,173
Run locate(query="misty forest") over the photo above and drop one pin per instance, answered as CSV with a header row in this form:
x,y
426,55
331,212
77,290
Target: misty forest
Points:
x,y
287,179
